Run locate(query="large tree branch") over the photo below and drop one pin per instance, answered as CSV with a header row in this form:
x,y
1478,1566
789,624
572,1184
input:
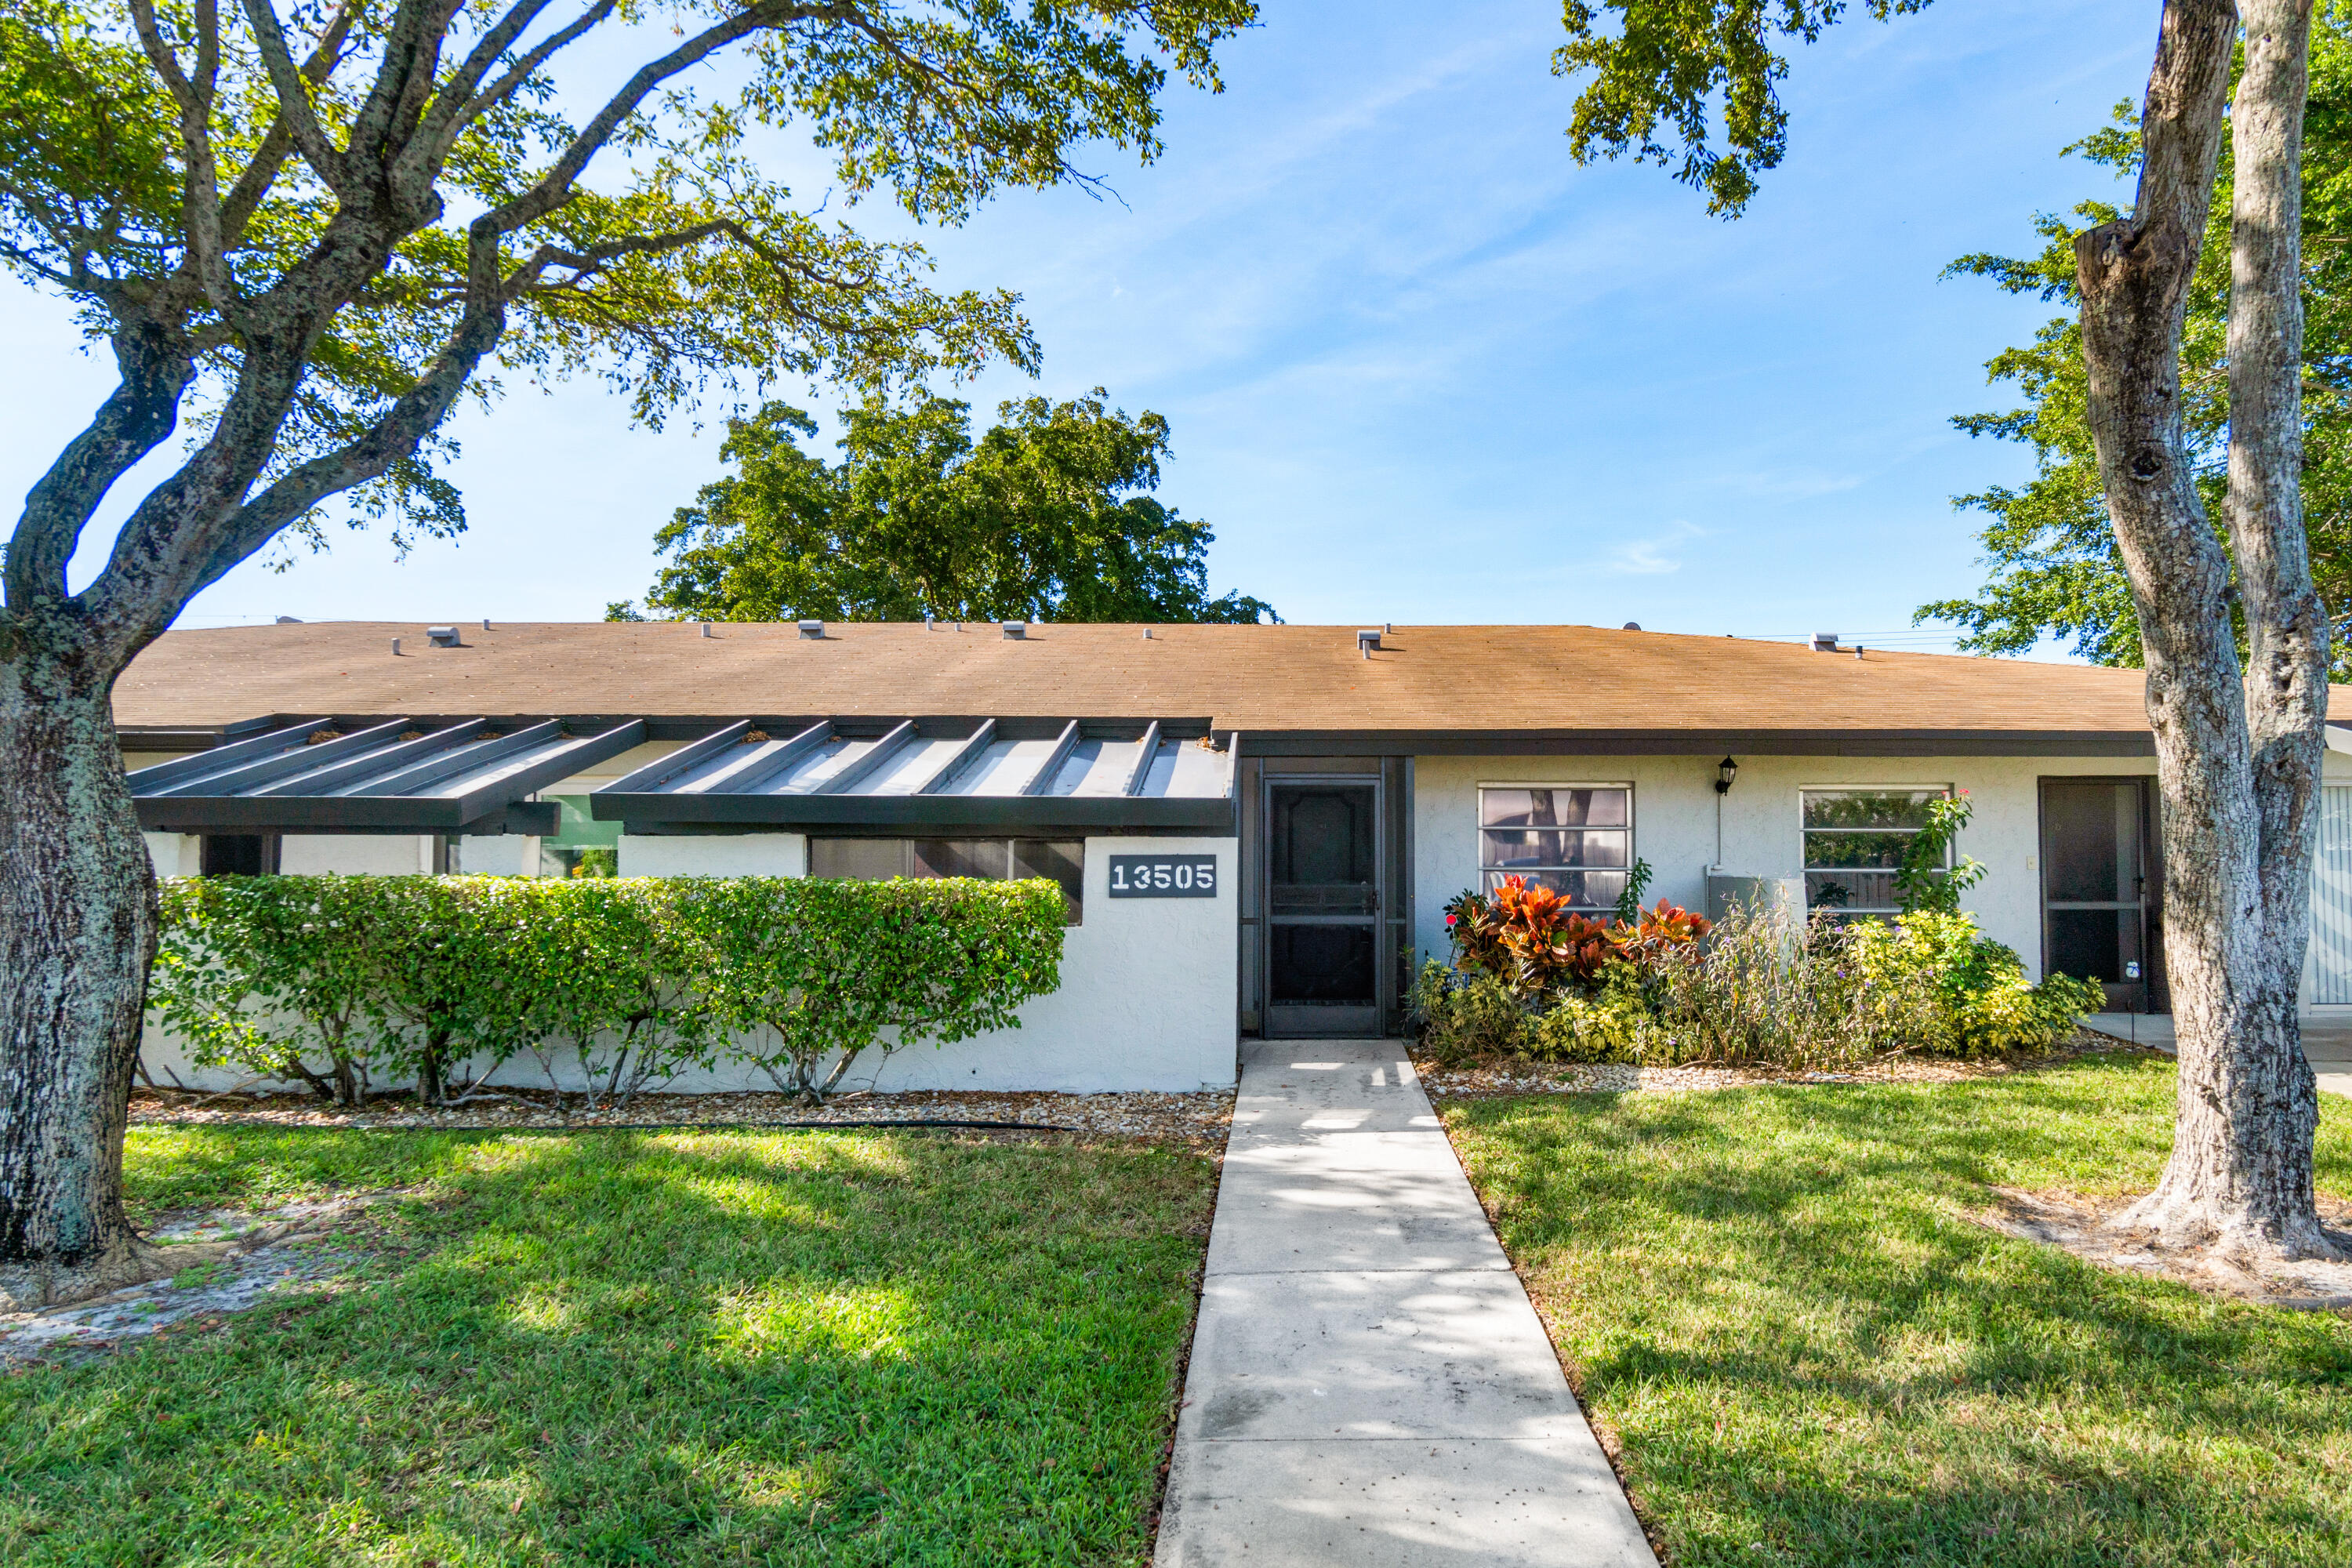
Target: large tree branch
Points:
x,y
191,91
458,102
2287,627
411,55
293,90
395,435
261,171
554,187
2133,275
134,419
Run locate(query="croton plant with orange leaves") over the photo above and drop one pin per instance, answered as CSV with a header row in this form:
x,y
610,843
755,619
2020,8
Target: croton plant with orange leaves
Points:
x,y
1524,934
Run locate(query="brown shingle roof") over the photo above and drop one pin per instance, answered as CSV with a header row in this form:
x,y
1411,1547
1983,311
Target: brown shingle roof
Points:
x,y
1526,681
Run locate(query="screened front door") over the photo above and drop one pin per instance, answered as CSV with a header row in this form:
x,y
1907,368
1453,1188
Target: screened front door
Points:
x,y
1322,907
2098,893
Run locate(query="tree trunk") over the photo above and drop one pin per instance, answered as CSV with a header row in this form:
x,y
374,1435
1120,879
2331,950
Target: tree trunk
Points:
x,y
2237,755
77,931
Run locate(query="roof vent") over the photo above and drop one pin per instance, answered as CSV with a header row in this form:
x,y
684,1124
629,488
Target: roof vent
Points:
x,y
1015,630
486,623
1367,640
289,620
812,629
1825,642
706,631
443,637
1632,625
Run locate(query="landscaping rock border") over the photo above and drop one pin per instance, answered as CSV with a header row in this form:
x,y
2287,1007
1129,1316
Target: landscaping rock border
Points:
x,y
1488,1081
1197,1120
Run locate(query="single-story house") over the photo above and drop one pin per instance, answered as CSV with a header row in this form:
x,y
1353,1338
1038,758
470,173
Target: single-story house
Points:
x,y
1258,827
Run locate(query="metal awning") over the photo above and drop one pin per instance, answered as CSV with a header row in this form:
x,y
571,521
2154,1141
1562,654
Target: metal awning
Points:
x,y
943,775
405,775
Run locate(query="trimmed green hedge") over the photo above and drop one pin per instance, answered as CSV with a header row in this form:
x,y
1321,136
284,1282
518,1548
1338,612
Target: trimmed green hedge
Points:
x,y
355,984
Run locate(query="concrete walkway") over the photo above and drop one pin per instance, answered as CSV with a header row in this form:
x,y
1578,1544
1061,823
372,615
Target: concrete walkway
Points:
x,y
2327,1040
1368,1384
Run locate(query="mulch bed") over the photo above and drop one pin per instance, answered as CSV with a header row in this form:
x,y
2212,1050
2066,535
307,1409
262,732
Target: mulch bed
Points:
x,y
2084,1227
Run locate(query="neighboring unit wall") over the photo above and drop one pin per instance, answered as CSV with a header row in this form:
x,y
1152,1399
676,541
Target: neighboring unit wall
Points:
x,y
354,854
714,854
176,854
495,855
1675,823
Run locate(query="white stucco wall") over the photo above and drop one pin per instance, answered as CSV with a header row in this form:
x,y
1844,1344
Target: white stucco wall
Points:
x,y
713,855
1146,1000
1675,822
496,855
176,854
352,854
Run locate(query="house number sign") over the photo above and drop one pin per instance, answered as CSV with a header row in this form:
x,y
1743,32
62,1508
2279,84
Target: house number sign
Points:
x,y
1163,876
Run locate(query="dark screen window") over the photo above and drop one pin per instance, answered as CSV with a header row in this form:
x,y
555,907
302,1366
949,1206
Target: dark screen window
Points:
x,y
987,859
240,855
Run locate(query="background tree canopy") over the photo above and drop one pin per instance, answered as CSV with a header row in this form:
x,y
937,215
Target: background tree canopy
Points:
x,y
1044,517
2055,569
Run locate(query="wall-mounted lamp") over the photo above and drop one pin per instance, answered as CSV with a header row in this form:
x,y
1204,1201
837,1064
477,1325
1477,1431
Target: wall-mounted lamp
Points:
x,y
1724,771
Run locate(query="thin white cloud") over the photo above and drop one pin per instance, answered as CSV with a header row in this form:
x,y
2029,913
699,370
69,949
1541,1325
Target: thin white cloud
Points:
x,y
1642,558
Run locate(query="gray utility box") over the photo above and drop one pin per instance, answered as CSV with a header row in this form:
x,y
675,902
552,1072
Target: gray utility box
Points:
x,y
1785,892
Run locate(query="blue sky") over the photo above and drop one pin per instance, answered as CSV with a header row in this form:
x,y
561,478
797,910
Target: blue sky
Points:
x,y
1420,367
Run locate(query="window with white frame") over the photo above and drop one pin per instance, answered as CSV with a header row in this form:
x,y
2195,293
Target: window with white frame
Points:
x,y
1855,839
1576,839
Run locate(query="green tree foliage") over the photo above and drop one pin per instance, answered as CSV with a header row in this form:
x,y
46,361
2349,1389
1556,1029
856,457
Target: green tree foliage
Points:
x,y
2054,570
612,984
307,232
1665,67
1045,517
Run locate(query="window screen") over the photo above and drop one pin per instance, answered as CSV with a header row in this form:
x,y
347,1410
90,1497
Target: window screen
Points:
x,y
1576,840
988,859
1855,840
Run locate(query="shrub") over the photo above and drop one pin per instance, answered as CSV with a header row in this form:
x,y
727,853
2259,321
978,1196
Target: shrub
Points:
x,y
1467,1016
1617,1025
273,974
1761,986
1927,882
1932,982
337,981
1764,988
1526,937
827,967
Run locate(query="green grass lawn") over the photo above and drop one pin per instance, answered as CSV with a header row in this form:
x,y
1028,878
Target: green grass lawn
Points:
x,y
690,1348
1774,1304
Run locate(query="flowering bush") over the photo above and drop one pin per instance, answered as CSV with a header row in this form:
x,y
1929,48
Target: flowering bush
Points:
x,y
1524,935
1760,986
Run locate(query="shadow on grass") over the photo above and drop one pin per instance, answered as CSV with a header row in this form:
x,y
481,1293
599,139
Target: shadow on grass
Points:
x,y
1809,1354
690,1348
